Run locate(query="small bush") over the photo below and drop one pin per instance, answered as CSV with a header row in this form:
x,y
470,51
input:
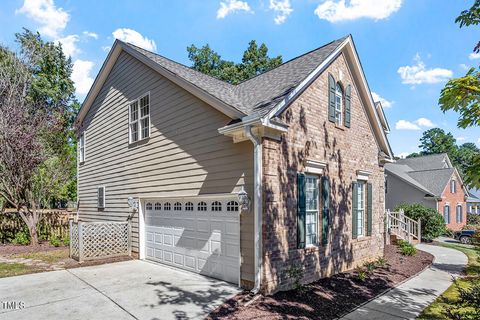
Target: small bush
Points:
x,y
54,241
66,241
370,266
406,248
22,238
433,224
473,219
381,262
361,274
296,273
468,304
449,233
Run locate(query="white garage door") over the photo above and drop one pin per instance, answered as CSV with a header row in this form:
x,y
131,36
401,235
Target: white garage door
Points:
x,y
198,234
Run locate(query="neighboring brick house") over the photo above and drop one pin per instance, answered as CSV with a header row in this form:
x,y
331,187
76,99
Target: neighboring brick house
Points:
x,y
238,182
431,180
473,201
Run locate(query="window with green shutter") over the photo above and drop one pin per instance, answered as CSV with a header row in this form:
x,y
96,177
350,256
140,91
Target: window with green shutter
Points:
x,y
331,98
348,93
354,210
301,210
325,209
369,209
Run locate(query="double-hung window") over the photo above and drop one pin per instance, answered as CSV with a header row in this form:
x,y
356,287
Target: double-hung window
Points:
x,y
360,208
81,148
338,105
312,206
453,186
139,119
459,214
446,214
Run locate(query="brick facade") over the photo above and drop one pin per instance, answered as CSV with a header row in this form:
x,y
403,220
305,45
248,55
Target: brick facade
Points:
x,y
345,150
453,200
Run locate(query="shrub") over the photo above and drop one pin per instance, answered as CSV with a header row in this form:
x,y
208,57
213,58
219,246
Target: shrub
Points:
x,y
22,238
370,266
296,273
54,241
406,248
66,241
381,262
361,274
449,233
468,304
473,219
433,224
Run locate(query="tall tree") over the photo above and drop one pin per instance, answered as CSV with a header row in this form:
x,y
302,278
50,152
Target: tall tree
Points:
x,y
463,94
255,61
37,107
437,141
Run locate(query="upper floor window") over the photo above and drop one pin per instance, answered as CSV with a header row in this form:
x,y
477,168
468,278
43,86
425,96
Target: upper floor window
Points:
x,y
453,186
338,105
139,119
81,148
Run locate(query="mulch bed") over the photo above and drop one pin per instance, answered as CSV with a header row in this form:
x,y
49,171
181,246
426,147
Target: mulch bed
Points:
x,y
11,249
327,298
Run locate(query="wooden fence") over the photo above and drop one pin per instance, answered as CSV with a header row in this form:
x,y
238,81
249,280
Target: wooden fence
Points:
x,y
99,240
53,223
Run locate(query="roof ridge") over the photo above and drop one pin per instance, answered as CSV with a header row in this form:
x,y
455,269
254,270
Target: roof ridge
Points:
x,y
424,156
180,64
292,59
436,169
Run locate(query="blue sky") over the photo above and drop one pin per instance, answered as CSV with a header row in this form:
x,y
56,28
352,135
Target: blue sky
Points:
x,y
408,48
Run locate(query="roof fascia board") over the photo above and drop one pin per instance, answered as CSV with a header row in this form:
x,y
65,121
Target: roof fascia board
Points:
x,y
112,57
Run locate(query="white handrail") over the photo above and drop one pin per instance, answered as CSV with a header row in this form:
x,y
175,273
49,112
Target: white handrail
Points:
x,y
402,226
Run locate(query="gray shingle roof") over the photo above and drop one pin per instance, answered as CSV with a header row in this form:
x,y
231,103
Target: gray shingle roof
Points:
x,y
428,173
259,94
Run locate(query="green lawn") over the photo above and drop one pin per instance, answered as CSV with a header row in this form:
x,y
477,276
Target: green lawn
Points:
x,y
437,309
15,269
49,257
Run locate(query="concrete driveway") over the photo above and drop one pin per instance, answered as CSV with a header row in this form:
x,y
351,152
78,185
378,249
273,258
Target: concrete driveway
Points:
x,y
124,290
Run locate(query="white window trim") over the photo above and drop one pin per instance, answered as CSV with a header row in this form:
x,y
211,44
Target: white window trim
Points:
x,y
339,111
104,198
363,209
139,119
315,167
317,177
362,175
81,145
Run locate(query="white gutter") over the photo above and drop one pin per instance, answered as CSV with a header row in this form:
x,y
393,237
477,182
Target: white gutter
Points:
x,y
257,202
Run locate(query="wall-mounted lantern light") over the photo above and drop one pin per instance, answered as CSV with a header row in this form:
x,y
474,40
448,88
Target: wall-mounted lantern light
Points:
x,y
244,200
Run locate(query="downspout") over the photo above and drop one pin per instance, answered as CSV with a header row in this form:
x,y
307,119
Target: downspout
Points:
x,y
257,208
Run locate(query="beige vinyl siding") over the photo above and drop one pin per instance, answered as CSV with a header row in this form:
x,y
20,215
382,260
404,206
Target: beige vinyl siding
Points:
x,y
184,156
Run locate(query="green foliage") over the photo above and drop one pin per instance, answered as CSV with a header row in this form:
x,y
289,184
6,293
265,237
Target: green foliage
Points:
x,y
437,141
370,266
255,61
66,241
468,304
296,273
381,262
433,224
473,219
22,238
54,241
361,274
406,248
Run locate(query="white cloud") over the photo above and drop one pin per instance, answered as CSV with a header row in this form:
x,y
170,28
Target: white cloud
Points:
x,y
406,125
473,56
464,66
135,38
52,19
385,103
231,6
90,34
341,10
69,46
81,76
106,48
415,125
402,155
461,138
424,122
418,73
282,8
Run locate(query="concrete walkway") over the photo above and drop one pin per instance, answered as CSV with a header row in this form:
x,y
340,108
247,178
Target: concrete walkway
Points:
x,y
409,299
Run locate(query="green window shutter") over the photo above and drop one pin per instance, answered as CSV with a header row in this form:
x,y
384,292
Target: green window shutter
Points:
x,y
331,98
354,210
301,210
369,209
325,209
348,93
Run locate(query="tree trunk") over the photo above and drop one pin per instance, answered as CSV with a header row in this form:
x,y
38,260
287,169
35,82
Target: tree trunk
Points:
x,y
33,235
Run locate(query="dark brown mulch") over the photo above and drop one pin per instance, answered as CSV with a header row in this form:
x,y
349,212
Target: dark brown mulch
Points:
x,y
11,249
328,298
